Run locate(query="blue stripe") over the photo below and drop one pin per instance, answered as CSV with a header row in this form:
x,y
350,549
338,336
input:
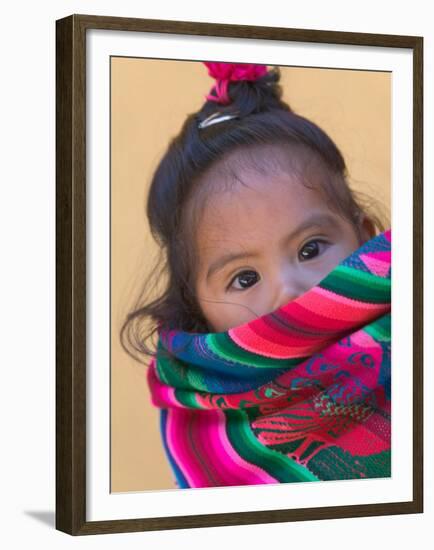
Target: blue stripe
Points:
x,y
180,479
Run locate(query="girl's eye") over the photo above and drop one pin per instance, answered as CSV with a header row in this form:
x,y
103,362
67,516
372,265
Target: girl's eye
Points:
x,y
244,280
310,250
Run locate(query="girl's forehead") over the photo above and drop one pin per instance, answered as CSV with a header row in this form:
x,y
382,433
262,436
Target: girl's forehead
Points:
x,y
255,193
262,205
256,169
262,159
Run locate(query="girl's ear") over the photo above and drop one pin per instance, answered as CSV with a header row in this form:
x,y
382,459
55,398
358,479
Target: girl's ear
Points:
x,y
367,228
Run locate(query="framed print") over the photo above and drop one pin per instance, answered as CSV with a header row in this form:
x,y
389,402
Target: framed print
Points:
x,y
226,197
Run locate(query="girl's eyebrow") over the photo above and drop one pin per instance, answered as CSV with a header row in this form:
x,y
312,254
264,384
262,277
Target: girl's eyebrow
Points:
x,y
314,220
226,259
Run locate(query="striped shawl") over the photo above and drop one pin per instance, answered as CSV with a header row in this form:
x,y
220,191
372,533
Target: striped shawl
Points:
x,y
299,394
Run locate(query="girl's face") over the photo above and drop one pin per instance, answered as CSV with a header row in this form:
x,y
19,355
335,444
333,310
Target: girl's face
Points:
x,y
263,244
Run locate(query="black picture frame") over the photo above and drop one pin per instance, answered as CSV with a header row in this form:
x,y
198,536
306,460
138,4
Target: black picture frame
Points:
x,y
71,273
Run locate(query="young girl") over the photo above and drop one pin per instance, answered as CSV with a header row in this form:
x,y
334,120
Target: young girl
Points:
x,y
273,355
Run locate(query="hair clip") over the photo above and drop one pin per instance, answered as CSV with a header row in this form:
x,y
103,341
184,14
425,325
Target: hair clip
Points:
x,y
215,118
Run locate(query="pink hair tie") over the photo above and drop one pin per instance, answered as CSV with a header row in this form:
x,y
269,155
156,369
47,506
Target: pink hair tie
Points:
x,y
224,73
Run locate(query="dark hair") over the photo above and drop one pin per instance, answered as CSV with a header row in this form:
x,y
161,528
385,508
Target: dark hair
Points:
x,y
263,119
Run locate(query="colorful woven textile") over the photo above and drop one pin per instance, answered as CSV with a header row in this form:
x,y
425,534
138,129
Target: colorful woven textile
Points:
x,y
300,394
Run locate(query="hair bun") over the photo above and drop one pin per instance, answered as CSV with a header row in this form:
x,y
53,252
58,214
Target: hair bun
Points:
x,y
248,87
224,73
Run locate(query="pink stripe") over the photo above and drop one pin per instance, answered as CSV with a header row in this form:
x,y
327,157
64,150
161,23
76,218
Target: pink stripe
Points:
x,y
255,344
210,439
303,319
311,319
318,309
293,339
176,429
162,395
254,474
207,438
364,340
334,306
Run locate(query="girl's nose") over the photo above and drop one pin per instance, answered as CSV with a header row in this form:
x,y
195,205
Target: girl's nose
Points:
x,y
287,291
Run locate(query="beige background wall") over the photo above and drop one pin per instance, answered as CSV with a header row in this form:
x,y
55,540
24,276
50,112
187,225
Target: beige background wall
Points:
x,y
149,100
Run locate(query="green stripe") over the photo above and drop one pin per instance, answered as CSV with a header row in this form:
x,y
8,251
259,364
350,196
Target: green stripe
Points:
x,y
358,285
222,345
187,398
347,466
243,440
175,374
171,372
380,329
